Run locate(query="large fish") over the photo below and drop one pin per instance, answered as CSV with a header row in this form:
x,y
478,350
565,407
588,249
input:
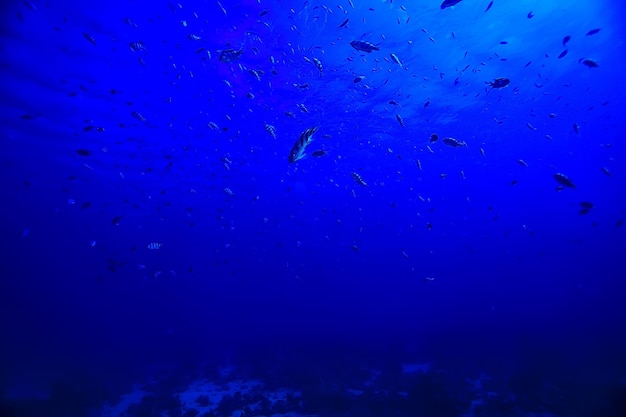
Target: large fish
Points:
x,y
364,46
298,149
449,3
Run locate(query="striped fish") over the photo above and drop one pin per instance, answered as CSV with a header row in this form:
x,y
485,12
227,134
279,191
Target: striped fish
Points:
x,y
298,149
154,246
271,130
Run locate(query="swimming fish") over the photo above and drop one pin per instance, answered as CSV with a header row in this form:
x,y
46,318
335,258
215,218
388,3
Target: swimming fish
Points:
x,y
270,129
90,38
453,142
590,63
299,148
318,64
358,179
364,46
449,3
230,55
564,180
138,116
566,40
137,46
395,59
498,82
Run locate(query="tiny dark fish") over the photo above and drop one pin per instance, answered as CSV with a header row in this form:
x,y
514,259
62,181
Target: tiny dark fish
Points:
x,y
562,54
586,205
358,79
449,3
116,220
564,180
137,47
263,13
90,38
566,40
345,22
590,63
498,82
593,31
489,6
427,103
530,15
138,116
318,153
83,152
85,205
503,42
434,138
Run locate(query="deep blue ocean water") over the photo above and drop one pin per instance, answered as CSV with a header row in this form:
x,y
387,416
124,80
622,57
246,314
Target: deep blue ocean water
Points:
x,y
156,235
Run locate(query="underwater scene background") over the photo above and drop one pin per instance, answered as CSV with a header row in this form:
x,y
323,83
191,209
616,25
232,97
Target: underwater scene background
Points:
x,y
313,208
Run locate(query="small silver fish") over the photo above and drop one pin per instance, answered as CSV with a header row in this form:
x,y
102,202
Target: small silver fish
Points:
x,y
358,179
318,64
395,59
256,74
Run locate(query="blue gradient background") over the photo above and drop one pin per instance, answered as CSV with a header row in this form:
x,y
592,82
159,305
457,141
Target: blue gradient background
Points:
x,y
523,283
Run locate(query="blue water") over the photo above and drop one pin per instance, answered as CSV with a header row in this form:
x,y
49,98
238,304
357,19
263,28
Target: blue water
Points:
x,y
155,233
